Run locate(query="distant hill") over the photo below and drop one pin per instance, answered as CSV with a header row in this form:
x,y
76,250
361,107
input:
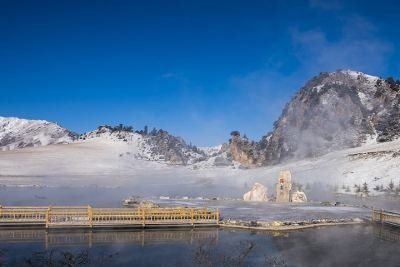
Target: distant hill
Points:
x,y
19,133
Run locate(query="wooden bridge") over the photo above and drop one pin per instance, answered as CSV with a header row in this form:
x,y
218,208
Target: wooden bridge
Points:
x,y
88,217
386,217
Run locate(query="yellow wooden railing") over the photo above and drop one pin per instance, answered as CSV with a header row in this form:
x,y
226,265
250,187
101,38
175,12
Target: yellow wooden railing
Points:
x,y
87,216
388,217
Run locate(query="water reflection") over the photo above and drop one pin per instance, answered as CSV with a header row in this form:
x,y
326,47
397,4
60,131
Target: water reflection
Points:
x,y
89,238
387,233
353,245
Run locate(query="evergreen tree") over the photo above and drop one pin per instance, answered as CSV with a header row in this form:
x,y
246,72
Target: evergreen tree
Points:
x,y
348,189
358,188
365,188
146,130
391,186
235,133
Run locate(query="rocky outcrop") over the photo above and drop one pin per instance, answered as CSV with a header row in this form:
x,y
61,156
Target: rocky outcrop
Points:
x,y
284,186
242,150
299,197
332,111
257,193
18,133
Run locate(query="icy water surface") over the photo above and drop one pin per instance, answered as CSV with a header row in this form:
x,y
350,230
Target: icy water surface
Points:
x,y
351,245
355,245
233,209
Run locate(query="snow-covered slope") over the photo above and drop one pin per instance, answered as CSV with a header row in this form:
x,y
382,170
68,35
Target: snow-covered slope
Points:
x,y
106,162
157,146
19,133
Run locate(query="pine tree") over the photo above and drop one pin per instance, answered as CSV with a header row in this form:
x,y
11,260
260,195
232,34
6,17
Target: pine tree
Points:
x,y
365,188
391,186
348,189
358,188
398,188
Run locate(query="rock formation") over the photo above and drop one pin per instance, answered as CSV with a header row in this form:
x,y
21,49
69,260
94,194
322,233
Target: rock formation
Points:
x,y
284,187
298,197
257,193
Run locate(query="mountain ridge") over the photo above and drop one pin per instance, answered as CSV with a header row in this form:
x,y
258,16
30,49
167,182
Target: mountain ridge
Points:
x,y
332,111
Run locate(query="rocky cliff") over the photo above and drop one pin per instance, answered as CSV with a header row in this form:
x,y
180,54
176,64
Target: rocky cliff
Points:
x,y
332,111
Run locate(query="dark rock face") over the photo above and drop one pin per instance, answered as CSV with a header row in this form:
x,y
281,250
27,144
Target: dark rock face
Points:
x,y
332,111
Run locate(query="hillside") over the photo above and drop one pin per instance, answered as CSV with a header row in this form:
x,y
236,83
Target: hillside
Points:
x,y
18,133
104,162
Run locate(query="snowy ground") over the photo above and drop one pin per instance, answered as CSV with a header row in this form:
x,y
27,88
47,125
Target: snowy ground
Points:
x,y
107,163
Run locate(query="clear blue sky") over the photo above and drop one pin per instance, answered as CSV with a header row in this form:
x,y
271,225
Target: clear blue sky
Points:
x,y
198,69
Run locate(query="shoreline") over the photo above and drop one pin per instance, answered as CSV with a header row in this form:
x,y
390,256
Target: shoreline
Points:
x,y
290,227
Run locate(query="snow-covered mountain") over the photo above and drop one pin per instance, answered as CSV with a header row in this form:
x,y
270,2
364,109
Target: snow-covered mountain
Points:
x,y
19,133
333,111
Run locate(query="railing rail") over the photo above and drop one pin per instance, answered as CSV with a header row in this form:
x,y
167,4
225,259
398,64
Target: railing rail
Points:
x,y
388,217
87,216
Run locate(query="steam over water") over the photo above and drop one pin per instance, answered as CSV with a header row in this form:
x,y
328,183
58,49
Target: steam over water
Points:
x,y
351,245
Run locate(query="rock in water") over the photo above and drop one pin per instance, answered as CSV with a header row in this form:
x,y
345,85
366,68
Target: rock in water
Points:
x,y
299,196
257,193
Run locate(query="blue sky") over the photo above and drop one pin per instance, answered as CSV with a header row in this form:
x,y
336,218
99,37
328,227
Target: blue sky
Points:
x,y
198,69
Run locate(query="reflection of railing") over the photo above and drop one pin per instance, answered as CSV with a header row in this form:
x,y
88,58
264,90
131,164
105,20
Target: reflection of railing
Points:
x,y
86,216
387,233
143,237
387,217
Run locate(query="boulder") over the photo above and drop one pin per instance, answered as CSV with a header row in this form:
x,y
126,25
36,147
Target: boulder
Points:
x,y
258,192
299,196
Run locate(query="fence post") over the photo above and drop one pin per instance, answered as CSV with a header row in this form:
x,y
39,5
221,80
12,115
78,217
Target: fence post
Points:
x,y
47,217
90,215
143,217
192,215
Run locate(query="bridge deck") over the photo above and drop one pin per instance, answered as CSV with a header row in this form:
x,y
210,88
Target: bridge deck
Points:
x,y
86,216
386,217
